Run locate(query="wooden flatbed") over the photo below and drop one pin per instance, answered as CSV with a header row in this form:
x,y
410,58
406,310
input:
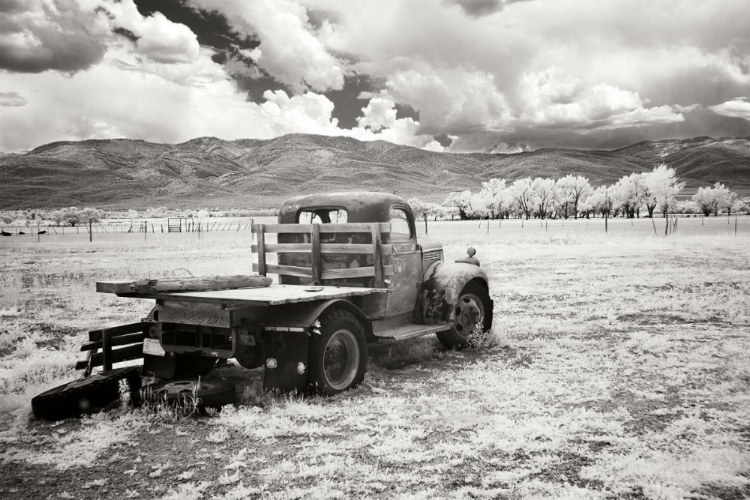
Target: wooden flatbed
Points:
x,y
271,295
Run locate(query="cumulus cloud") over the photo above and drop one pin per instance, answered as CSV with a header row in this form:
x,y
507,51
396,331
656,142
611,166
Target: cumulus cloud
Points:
x,y
736,108
154,36
550,100
12,100
41,35
495,75
290,51
451,100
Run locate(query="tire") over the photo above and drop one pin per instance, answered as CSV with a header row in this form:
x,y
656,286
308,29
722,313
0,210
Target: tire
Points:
x,y
193,366
209,393
85,395
473,303
338,355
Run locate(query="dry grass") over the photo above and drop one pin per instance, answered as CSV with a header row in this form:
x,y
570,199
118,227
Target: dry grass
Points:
x,y
619,370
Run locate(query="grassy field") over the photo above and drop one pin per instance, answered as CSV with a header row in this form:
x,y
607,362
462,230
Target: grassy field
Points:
x,y
621,369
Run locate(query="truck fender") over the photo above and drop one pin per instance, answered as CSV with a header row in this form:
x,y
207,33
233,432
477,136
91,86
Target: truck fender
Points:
x,y
305,314
441,287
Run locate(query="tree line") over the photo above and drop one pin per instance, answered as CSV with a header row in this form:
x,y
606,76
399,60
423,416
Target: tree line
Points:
x,y
646,193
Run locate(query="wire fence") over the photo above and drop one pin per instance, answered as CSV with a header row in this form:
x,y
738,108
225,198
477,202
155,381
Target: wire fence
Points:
x,y
736,224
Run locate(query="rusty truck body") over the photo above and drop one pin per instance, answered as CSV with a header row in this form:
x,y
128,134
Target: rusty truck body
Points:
x,y
351,271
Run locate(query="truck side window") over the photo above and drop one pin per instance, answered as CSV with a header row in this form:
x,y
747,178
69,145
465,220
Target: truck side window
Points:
x,y
400,229
322,216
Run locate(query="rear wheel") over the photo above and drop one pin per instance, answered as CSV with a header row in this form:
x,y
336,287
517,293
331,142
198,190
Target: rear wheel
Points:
x,y
338,355
473,309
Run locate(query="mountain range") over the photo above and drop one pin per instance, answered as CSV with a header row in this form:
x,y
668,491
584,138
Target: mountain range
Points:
x,y
210,172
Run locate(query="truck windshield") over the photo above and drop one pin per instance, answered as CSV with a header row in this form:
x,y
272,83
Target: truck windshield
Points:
x,y
322,216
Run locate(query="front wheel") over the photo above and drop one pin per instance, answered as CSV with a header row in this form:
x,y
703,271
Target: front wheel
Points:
x,y
338,354
473,310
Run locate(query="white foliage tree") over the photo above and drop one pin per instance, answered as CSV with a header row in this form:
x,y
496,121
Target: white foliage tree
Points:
x,y
544,190
574,189
524,195
714,199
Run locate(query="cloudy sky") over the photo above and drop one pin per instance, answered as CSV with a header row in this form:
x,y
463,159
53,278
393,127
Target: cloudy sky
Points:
x,y
454,75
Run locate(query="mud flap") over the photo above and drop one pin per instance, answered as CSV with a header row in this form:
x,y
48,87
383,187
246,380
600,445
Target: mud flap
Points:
x,y
160,366
289,350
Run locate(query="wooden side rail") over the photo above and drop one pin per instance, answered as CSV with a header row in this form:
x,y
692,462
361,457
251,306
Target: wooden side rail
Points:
x,y
131,336
355,227
316,248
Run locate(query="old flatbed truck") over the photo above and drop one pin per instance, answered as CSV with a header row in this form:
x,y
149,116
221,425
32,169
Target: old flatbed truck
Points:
x,y
351,271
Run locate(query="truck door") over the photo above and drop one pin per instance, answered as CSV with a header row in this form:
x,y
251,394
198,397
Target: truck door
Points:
x,y
406,260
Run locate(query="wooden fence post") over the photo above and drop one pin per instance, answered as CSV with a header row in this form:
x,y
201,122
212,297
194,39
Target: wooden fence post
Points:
x,y
91,233
106,350
317,263
261,238
377,256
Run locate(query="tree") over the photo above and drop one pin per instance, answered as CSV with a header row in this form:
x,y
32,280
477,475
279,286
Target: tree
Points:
x,y
491,196
714,199
418,207
726,201
664,187
575,189
544,190
461,201
600,200
524,196
740,206
435,211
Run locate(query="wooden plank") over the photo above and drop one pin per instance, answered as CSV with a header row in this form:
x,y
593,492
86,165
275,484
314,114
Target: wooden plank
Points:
x,y
116,331
362,227
134,351
182,284
325,248
130,338
303,272
353,272
317,261
262,270
377,257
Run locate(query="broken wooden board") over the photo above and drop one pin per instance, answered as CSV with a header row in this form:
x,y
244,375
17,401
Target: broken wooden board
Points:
x,y
150,286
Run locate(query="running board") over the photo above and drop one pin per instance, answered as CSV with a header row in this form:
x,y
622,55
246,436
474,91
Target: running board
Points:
x,y
408,332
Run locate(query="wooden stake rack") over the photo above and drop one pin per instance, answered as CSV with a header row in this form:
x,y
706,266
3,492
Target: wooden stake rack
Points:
x,y
314,246
128,337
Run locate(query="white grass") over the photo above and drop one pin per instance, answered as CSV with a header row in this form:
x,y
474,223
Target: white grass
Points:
x,y
619,368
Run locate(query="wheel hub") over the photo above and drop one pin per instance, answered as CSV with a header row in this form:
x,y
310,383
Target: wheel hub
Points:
x,y
341,359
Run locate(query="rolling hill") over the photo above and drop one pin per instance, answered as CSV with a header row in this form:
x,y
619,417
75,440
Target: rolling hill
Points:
x,y
210,172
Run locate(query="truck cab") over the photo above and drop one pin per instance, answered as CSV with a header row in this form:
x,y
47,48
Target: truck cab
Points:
x,y
409,256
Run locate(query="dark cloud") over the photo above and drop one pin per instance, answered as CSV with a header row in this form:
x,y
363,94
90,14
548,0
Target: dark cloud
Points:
x,y
126,33
60,42
316,17
12,100
406,111
479,8
347,102
443,139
